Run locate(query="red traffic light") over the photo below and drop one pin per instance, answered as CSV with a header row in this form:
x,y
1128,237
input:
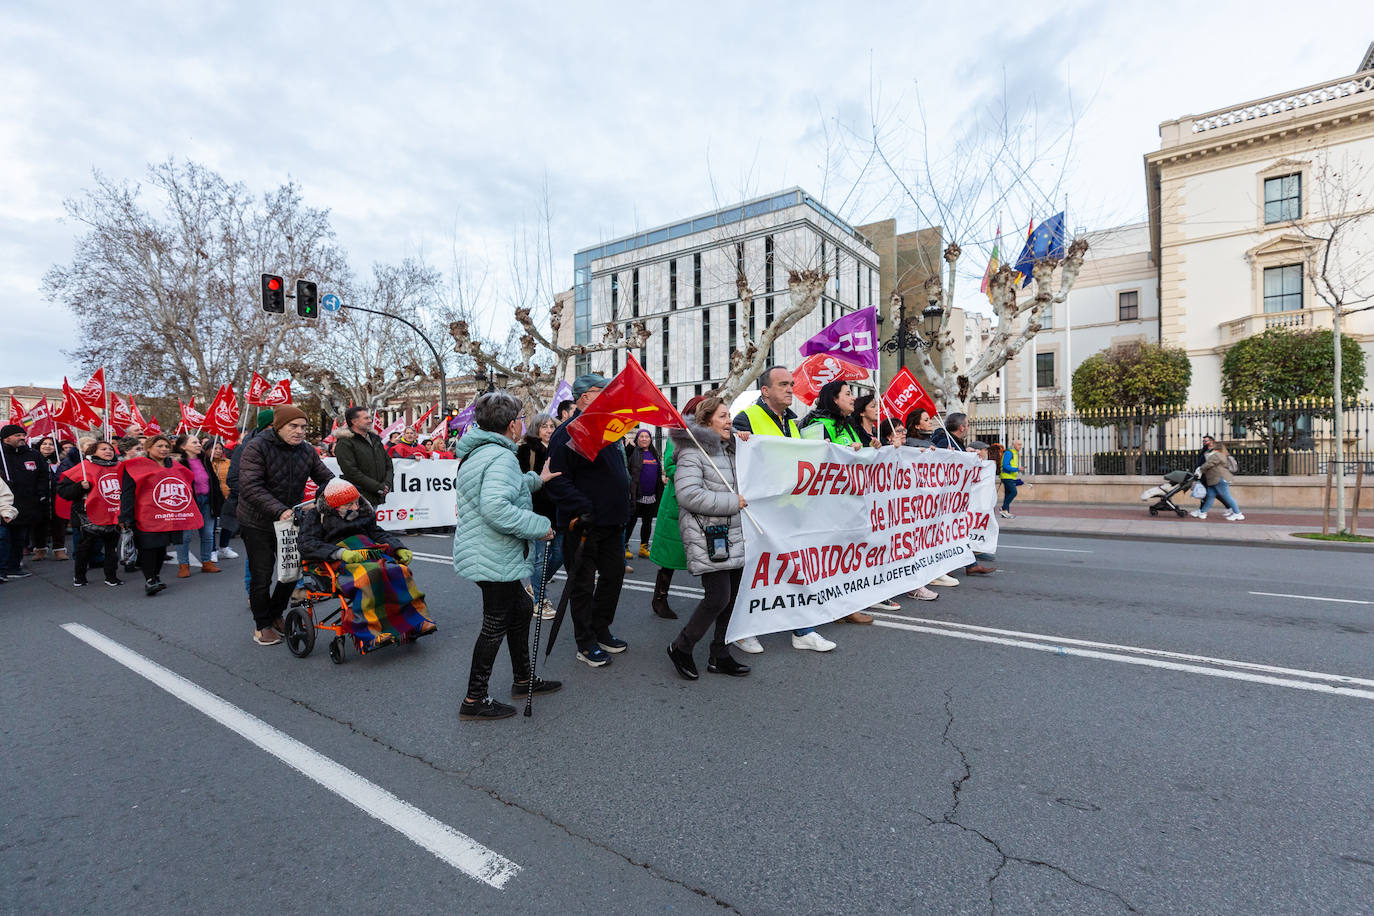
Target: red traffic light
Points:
x,y
274,283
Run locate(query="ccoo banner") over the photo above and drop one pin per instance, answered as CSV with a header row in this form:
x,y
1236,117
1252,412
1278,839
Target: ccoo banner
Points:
x,y
423,494
831,530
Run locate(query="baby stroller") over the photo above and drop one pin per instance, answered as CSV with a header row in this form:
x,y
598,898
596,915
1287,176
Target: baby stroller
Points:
x,y
1164,493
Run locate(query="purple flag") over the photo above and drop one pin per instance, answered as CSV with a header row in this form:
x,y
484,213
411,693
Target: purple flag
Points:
x,y
463,420
852,338
562,393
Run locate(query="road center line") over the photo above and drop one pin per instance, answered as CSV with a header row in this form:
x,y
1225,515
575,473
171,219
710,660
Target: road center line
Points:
x,y
1312,598
449,845
1059,649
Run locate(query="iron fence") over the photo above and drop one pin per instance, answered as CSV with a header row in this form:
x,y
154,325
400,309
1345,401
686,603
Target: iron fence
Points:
x,y
1274,438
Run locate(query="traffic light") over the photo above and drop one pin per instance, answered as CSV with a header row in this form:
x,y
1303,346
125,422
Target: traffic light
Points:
x,y
273,294
307,299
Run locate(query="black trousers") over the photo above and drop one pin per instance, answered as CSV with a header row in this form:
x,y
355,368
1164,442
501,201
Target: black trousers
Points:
x,y
715,606
86,545
50,531
150,560
506,611
644,513
596,582
267,597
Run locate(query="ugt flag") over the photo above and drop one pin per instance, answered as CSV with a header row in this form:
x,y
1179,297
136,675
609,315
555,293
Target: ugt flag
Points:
x,y
629,400
1046,241
263,393
222,418
75,411
819,369
852,338
904,395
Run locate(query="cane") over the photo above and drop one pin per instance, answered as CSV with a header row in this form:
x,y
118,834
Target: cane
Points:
x,y
538,625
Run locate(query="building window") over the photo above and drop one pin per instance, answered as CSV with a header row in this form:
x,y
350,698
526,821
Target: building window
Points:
x,y
664,376
837,276
768,264
696,278
1283,288
1283,198
767,321
858,286
582,364
672,285
1044,370
615,296
634,293
706,343
1128,305
734,324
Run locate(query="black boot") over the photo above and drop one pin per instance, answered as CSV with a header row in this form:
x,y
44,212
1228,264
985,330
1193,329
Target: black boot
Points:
x,y
660,600
682,661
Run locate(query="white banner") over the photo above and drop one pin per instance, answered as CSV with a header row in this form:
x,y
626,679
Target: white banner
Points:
x,y
423,497
843,529
982,528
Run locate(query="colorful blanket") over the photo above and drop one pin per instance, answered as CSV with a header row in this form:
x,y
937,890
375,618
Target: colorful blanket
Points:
x,y
379,598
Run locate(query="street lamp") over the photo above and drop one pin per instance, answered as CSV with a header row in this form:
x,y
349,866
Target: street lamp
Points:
x,y
907,337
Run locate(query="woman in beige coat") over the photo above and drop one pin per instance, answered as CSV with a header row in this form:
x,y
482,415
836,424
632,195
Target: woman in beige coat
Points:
x,y
1216,473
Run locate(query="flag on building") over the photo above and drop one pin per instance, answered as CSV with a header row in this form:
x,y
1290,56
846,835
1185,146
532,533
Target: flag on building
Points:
x,y
994,262
852,338
629,400
904,395
1045,241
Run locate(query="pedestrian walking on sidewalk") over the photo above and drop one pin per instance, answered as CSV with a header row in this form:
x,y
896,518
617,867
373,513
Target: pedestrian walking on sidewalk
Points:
x,y
1217,471
1009,470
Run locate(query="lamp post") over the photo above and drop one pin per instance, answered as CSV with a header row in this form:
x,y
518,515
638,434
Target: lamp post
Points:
x,y
906,337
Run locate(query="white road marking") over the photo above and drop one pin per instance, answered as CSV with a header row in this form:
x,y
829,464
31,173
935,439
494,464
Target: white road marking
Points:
x,y
638,585
449,845
1312,598
1055,549
1070,647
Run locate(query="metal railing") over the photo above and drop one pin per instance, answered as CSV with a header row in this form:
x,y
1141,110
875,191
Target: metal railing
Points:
x,y
1274,438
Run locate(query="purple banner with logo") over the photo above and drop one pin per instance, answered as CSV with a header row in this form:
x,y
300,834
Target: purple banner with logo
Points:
x,y
852,338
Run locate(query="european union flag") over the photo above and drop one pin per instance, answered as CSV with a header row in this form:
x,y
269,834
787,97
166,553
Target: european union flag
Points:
x,y
1046,241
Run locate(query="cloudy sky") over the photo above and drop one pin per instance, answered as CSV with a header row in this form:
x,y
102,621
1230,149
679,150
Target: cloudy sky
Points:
x,y
425,124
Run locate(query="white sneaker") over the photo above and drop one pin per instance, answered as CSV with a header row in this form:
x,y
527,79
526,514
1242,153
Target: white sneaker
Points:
x,y
1235,518
1196,514
214,556
945,581
923,594
749,644
812,640
885,606
228,553
1005,514
546,610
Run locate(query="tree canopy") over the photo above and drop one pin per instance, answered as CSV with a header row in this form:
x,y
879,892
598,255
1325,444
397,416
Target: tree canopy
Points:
x,y
1133,377
1281,364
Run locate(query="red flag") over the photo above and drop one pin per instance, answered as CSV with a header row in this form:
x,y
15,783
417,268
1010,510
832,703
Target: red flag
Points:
x,y
264,394
93,392
420,422
137,417
191,419
255,389
152,427
819,369
40,422
17,412
121,417
377,426
74,410
631,399
904,395
222,418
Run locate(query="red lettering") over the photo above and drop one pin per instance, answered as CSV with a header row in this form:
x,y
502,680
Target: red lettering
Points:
x,y
760,572
806,472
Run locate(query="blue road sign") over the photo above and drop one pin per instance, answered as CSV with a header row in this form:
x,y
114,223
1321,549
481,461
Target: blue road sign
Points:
x,y
330,302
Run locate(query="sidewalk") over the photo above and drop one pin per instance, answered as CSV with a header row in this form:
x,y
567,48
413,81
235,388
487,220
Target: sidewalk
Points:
x,y
1262,527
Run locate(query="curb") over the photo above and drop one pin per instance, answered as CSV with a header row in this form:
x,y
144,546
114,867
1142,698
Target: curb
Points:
x,y
1296,543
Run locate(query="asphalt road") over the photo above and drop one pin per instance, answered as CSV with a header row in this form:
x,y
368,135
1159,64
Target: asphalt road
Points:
x,y
1100,726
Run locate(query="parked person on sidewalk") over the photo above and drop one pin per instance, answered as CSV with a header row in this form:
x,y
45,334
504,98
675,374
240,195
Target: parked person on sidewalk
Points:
x,y
363,459
492,546
1217,471
593,503
51,531
1009,470
141,509
531,456
95,495
920,426
26,473
709,507
646,488
190,452
274,469
665,549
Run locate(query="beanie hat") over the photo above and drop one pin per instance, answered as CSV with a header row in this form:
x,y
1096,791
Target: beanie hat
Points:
x,y
339,492
285,414
264,418
10,429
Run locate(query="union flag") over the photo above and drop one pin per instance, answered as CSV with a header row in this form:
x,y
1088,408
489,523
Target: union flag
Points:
x,y
93,392
39,421
191,419
631,399
121,417
75,412
263,393
222,417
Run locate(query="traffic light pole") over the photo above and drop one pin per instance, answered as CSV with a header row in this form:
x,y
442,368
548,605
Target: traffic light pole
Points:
x,y
443,376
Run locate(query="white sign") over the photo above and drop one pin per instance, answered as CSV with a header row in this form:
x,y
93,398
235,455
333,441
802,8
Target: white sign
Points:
x,y
982,530
423,494
843,529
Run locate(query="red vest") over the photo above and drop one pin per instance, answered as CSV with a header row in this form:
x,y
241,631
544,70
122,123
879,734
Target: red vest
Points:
x,y
164,498
102,502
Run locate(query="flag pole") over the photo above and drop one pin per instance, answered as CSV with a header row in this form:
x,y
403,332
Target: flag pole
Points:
x,y
744,509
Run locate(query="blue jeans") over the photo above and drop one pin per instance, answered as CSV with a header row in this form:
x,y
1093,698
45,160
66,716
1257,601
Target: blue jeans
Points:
x,y
206,531
1008,493
1221,491
542,572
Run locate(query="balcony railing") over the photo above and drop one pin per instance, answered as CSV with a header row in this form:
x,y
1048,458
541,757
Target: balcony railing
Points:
x,y
1297,320
1313,95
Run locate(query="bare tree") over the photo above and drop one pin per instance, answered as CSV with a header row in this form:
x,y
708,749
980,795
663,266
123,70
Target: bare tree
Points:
x,y
166,297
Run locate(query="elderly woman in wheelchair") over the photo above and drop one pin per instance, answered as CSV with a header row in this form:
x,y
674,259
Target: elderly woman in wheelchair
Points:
x,y
350,555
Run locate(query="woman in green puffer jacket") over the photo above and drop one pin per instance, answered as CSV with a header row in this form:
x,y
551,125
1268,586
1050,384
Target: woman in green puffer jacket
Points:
x,y
492,547
665,547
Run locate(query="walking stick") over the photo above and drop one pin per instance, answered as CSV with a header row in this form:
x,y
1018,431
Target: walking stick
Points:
x,y
538,625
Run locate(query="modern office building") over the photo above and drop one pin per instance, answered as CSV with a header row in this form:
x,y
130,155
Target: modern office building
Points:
x,y
681,279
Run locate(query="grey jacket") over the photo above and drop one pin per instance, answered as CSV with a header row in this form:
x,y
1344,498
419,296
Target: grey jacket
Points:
x,y
703,499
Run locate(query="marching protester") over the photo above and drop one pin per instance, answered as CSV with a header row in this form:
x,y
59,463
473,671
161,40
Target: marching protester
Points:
x,y
1216,472
950,436
865,420
646,488
273,470
982,562
95,494
592,499
363,459
7,515
230,509
190,453
712,537
531,456
1009,471
565,411
52,526
665,550
379,602
492,545
26,474
226,523
771,415
157,505
892,432
920,426
407,447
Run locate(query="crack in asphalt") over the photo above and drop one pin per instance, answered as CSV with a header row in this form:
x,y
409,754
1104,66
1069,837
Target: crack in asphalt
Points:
x,y
462,775
1004,857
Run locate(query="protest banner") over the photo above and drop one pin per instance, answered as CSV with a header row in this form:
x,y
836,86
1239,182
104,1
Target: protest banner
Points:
x,y
838,530
982,507
423,494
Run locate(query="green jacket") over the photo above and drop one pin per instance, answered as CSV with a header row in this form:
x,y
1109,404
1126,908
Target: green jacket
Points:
x,y
496,518
666,546
835,431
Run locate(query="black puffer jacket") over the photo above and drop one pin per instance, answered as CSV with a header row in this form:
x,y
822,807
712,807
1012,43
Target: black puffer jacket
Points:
x,y
532,453
272,477
322,528
364,462
26,472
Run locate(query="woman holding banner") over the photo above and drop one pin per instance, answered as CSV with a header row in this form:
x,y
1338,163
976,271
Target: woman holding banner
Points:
x,y
93,488
709,507
157,501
